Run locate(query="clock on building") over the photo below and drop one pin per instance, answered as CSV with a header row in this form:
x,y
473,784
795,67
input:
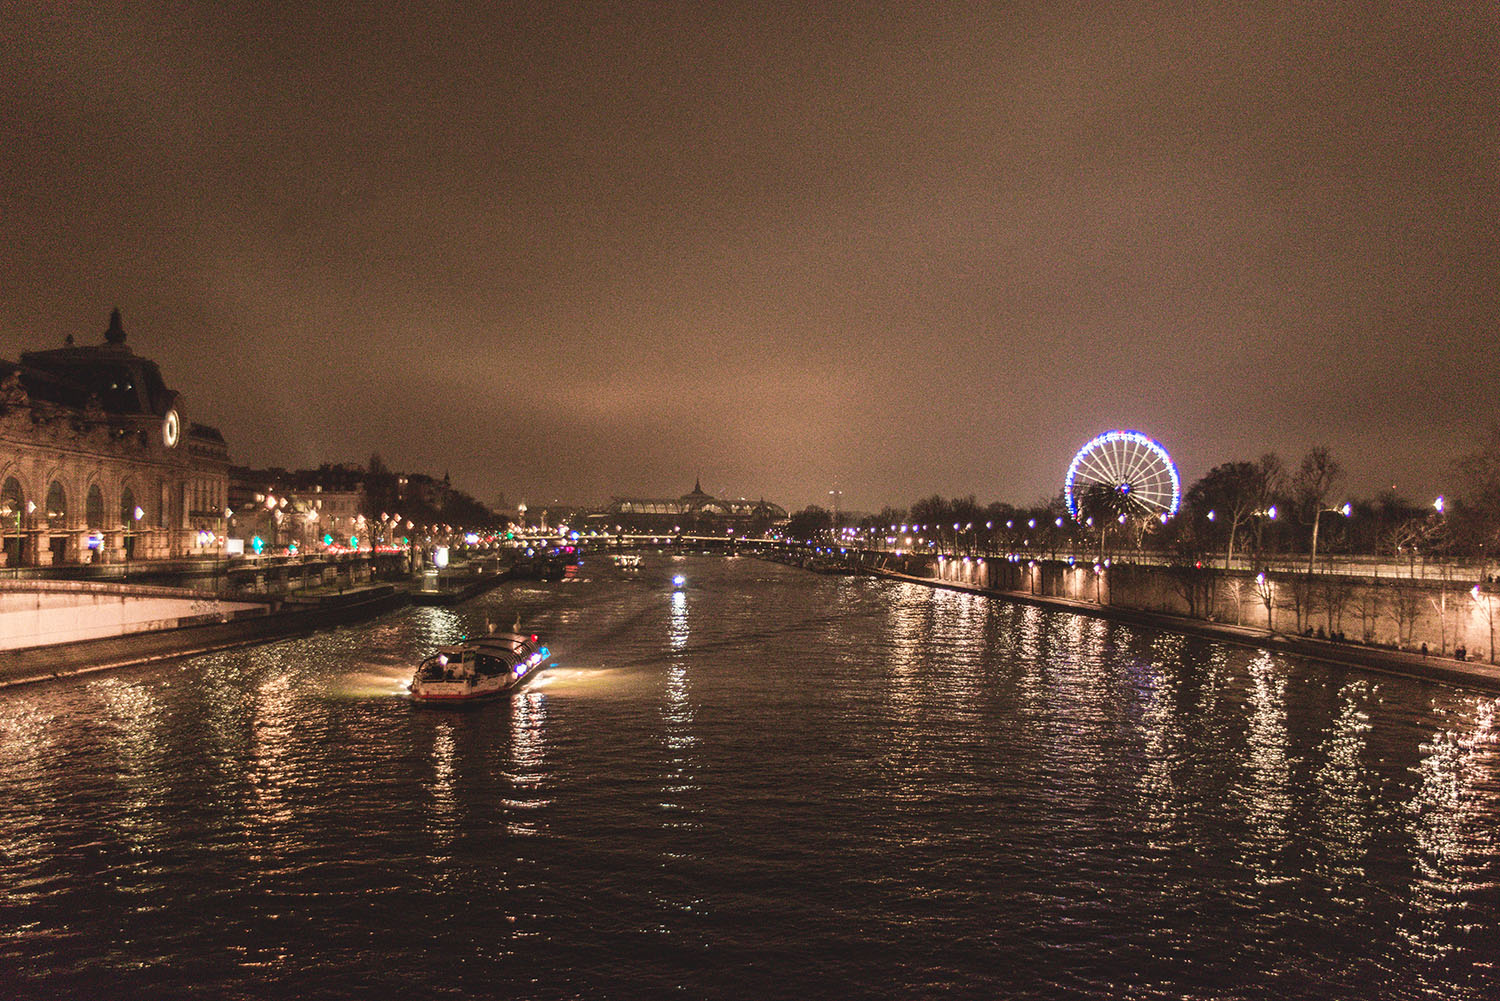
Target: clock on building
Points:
x,y
171,428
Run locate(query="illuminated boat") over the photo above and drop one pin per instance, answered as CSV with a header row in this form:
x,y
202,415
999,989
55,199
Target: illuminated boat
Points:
x,y
477,670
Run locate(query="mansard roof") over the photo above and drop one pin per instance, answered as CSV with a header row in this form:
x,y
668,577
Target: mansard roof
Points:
x,y
107,375
124,382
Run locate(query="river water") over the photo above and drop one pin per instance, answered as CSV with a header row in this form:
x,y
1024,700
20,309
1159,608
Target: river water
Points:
x,y
769,785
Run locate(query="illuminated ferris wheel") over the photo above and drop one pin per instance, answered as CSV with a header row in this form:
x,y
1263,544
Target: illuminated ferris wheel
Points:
x,y
1132,465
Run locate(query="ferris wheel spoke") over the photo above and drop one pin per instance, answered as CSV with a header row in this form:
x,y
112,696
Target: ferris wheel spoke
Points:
x,y
1155,480
1097,471
1134,467
1085,471
1145,466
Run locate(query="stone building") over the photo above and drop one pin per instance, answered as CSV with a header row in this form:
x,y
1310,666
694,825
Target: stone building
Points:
x,y
307,509
99,463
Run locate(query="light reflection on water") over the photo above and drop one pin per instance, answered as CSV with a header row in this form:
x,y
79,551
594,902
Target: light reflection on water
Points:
x,y
1264,791
442,811
774,784
1343,795
1452,818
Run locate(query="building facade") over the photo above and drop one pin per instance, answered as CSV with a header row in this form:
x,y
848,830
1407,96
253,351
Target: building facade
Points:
x,y
301,510
99,463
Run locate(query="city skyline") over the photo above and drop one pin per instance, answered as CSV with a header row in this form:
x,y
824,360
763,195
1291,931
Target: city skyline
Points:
x,y
574,253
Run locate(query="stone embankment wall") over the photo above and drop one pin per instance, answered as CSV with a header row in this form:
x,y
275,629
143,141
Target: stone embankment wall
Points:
x,y
42,613
1396,612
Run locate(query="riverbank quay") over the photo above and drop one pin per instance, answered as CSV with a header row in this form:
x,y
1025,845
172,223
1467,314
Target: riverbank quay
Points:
x,y
1446,671
447,590
299,615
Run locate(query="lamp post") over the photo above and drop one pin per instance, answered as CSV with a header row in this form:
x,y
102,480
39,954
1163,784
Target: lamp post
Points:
x,y
1346,510
130,537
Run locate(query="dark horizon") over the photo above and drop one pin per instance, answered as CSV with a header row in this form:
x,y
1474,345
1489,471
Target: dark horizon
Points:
x,y
570,253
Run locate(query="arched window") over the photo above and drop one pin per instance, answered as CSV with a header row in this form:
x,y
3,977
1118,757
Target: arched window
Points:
x,y
12,504
128,521
127,509
93,509
12,520
57,505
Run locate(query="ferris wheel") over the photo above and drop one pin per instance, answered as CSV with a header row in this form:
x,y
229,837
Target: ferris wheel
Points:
x,y
1134,466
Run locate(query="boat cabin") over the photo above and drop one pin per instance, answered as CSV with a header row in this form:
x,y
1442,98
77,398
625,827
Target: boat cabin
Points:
x,y
497,654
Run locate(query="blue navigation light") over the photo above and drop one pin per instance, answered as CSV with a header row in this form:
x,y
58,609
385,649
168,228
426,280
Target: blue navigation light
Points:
x,y
546,653
257,544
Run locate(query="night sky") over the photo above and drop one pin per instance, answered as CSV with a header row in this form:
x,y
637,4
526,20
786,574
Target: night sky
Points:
x,y
569,252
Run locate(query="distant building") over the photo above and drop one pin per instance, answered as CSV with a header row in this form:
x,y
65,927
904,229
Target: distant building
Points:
x,y
694,513
99,463
308,507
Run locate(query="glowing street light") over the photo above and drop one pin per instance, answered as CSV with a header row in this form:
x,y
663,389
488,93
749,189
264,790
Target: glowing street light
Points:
x,y
1346,510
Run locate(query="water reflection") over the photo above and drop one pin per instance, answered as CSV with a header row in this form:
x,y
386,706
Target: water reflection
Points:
x,y
1264,791
1342,789
29,809
442,807
433,626
680,780
1160,792
272,764
677,629
527,766
910,791
132,713
1452,830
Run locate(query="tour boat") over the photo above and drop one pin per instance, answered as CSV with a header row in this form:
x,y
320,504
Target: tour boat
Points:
x,y
479,669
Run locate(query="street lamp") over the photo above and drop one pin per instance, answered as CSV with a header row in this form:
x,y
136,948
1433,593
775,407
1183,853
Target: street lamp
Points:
x,y
136,515
1346,510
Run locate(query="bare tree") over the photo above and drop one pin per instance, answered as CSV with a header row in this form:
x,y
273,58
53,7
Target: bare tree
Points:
x,y
1195,586
1303,593
1486,602
1440,604
1335,593
1231,589
1265,589
1232,494
1478,480
1404,540
1368,610
1316,479
1404,606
